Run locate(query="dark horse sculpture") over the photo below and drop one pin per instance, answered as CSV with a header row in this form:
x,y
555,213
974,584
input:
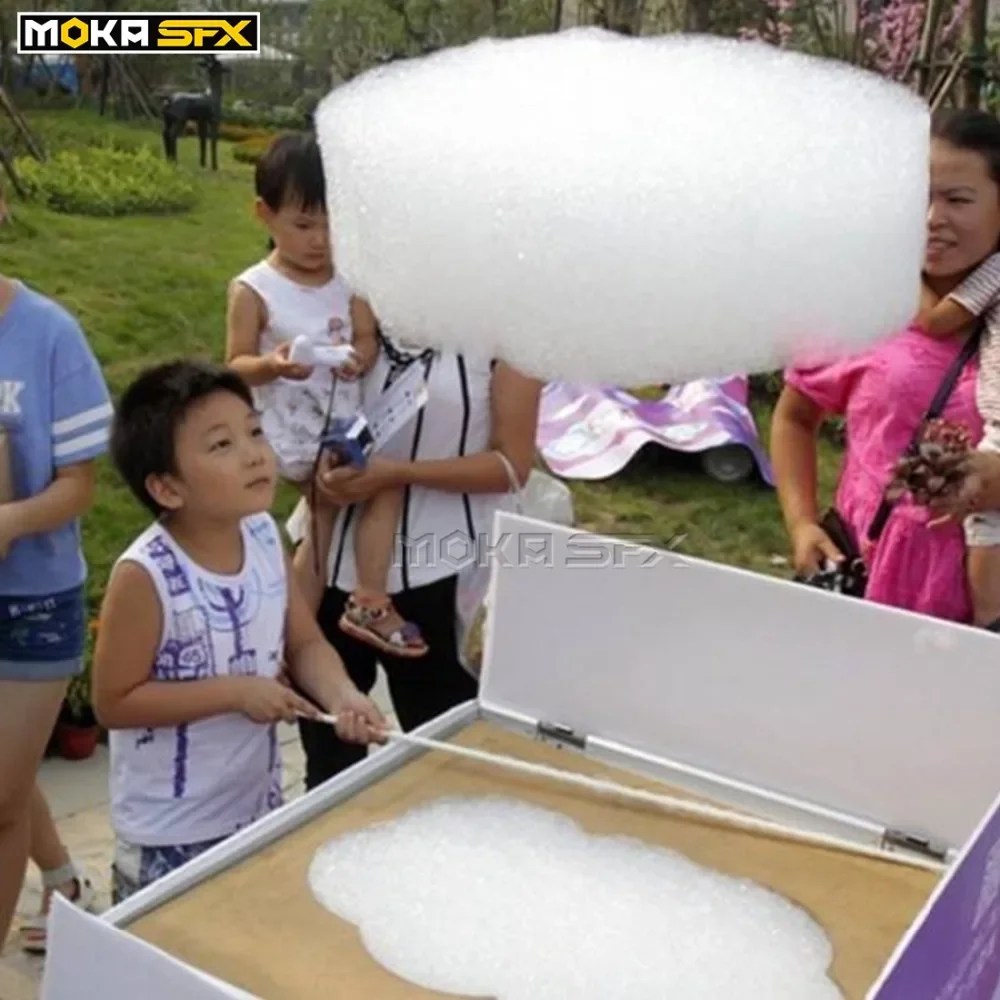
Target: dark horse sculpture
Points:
x,y
204,109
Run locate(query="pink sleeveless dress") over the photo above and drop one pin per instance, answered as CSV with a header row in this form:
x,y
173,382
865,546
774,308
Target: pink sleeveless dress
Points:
x,y
882,393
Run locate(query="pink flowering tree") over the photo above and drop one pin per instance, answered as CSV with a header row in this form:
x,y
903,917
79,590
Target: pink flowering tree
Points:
x,y
882,35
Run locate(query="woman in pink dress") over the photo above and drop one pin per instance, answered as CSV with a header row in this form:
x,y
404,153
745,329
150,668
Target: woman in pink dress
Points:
x,y
884,392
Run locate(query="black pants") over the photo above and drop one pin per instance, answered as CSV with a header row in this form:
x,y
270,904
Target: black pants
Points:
x,y
421,687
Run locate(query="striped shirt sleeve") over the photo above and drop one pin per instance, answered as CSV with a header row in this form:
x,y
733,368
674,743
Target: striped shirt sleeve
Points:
x,y
981,289
81,404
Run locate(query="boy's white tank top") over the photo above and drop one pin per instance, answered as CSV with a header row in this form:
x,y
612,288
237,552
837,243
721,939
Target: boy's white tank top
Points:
x,y
320,312
207,779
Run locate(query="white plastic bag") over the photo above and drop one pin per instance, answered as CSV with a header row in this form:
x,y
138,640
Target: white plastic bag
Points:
x,y
543,497
547,498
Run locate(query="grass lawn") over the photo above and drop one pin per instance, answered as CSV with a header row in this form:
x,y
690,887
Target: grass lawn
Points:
x,y
148,288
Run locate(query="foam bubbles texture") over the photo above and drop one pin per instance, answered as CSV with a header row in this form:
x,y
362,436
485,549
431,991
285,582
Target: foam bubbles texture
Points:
x,y
494,897
599,208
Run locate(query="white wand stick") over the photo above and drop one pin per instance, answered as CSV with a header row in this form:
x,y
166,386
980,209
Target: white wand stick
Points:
x,y
668,803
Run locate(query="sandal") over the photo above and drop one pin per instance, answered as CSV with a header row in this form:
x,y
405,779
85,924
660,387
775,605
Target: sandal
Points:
x,y
34,930
379,625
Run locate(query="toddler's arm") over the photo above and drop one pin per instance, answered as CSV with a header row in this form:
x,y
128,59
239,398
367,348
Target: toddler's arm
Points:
x,y
245,320
365,341
125,696
972,298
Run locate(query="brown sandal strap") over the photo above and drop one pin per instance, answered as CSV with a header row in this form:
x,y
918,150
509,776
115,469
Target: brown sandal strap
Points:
x,y
369,617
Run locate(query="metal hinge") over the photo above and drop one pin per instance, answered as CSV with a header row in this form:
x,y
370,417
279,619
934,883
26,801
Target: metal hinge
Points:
x,y
555,733
917,843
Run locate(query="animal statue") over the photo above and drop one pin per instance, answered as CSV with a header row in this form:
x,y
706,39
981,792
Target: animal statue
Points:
x,y
204,109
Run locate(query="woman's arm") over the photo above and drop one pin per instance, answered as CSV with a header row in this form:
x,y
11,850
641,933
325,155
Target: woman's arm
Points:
x,y
979,490
946,318
794,429
515,400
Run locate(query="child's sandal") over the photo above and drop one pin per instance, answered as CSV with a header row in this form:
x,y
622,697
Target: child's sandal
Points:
x,y
34,930
374,624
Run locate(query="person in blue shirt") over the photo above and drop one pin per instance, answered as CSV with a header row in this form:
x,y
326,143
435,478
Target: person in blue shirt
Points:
x,y
55,416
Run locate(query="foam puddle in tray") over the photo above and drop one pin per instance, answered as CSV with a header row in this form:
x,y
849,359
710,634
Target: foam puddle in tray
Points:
x,y
492,897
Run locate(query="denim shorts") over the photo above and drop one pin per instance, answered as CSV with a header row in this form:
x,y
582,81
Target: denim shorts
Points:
x,y
42,638
135,867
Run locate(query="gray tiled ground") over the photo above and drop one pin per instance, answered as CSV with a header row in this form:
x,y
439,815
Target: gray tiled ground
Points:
x,y
77,792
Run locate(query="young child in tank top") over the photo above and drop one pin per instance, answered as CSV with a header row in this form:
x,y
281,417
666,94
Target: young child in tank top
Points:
x,y
295,292
978,295
201,617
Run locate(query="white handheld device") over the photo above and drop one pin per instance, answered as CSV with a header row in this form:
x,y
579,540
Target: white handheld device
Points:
x,y
305,352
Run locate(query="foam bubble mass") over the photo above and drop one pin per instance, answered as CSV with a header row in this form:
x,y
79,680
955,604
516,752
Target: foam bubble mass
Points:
x,y
496,898
597,208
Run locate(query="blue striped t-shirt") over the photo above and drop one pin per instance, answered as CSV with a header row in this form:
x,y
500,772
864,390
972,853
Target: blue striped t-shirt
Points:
x,y
56,411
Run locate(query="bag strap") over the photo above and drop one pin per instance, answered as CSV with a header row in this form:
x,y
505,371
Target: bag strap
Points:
x,y
934,411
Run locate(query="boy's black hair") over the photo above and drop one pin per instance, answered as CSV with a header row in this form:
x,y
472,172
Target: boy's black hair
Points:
x,y
144,430
291,170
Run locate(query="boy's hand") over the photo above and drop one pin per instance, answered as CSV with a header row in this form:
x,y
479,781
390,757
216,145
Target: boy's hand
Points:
x,y
280,366
266,699
358,718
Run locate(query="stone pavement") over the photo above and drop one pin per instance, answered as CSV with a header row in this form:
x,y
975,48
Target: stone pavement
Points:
x,y
77,793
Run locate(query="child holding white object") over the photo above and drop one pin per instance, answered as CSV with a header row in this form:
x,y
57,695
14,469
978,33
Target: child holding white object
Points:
x,y
287,315
200,618
979,296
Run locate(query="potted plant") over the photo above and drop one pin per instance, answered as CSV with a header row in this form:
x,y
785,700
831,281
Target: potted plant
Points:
x,y
77,734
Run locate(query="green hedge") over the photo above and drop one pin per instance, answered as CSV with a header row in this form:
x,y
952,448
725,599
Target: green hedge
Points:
x,y
108,180
250,150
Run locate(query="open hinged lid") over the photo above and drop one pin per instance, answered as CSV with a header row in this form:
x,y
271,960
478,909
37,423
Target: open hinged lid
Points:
x,y
864,710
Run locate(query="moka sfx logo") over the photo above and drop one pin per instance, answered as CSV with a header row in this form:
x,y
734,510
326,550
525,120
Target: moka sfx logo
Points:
x,y
86,32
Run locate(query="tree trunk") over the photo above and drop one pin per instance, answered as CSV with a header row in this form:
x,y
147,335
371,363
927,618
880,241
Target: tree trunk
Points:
x,y
975,77
6,74
699,16
932,18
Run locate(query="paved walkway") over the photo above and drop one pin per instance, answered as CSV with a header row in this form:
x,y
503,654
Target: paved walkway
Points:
x,y
77,792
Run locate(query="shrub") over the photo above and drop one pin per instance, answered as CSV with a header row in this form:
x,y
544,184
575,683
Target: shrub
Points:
x,y
250,150
262,117
767,386
77,704
241,133
107,180
55,133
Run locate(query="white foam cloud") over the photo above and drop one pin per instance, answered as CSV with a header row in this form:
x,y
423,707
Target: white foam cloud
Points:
x,y
609,209
497,898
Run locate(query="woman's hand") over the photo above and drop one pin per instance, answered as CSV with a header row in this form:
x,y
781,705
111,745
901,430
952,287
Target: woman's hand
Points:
x,y
811,546
979,490
344,484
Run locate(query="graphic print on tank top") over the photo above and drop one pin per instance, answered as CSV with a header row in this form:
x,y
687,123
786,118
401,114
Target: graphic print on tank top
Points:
x,y
187,654
202,612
